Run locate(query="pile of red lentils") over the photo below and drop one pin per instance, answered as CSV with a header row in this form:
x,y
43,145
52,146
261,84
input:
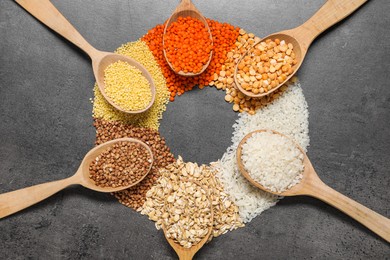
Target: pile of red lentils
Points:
x,y
224,37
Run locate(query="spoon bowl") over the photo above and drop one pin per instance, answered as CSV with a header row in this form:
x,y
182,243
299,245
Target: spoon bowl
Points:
x,y
311,185
83,172
294,190
302,36
47,13
99,64
187,9
189,253
299,53
14,201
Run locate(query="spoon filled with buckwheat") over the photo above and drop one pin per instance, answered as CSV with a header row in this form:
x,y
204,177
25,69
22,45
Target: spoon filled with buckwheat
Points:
x,y
110,167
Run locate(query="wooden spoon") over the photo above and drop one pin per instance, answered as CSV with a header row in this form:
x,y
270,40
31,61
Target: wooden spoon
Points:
x,y
311,185
189,253
46,12
14,201
184,9
302,36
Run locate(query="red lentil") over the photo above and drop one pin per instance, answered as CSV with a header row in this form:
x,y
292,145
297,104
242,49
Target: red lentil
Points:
x,y
224,38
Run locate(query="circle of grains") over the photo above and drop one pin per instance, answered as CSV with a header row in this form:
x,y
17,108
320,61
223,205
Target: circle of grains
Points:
x,y
135,196
126,86
122,164
226,217
150,195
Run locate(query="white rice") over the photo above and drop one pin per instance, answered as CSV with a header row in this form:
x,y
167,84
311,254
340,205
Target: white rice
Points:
x,y
272,160
287,115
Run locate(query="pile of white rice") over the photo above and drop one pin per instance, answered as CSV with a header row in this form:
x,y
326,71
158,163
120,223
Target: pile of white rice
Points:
x,y
272,160
287,115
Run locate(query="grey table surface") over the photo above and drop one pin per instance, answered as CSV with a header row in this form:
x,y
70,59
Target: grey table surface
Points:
x,y
46,128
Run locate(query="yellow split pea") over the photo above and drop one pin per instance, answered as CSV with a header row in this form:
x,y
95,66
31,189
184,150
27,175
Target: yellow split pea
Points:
x,y
126,86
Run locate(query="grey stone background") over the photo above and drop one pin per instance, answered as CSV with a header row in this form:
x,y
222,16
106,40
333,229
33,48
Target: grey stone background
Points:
x,y
46,128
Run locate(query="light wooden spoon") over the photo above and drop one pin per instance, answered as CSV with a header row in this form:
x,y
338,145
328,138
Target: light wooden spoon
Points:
x,y
184,9
189,253
14,201
302,36
311,185
45,11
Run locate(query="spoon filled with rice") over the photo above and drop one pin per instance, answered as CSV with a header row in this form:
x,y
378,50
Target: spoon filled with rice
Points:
x,y
274,163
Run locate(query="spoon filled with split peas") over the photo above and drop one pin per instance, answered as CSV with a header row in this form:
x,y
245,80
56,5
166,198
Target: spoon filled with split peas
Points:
x,y
110,167
276,58
48,14
187,41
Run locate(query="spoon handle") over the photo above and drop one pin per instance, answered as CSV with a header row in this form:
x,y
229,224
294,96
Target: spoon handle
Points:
x,y
14,201
329,14
45,11
367,217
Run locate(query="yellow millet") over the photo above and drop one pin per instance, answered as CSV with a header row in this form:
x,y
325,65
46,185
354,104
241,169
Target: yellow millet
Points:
x,y
126,86
139,51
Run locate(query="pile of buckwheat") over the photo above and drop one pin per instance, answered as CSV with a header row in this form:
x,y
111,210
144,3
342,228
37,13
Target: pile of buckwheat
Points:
x,y
122,164
134,197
